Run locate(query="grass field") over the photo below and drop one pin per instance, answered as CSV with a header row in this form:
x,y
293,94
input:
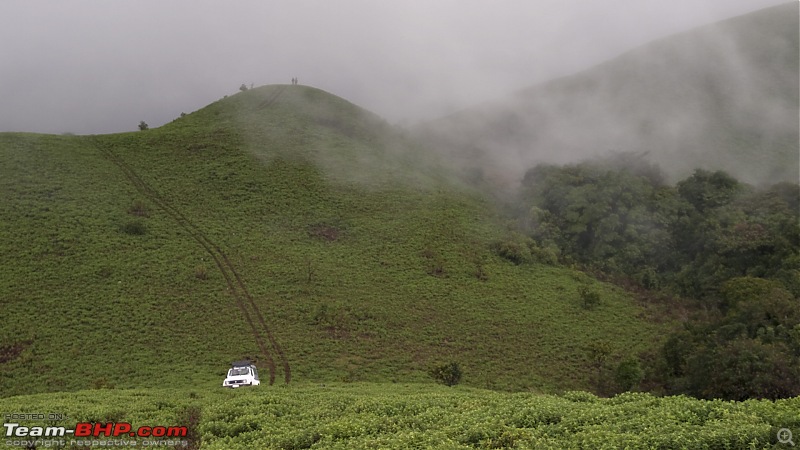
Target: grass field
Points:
x,y
366,416
284,225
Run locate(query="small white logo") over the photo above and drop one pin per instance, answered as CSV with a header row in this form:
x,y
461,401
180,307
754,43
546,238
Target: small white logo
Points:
x,y
785,436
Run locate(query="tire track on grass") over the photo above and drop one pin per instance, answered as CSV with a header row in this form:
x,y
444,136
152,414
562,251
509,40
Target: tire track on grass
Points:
x,y
269,101
244,300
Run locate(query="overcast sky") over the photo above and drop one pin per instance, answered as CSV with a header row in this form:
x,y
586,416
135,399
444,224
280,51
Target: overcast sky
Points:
x,y
100,66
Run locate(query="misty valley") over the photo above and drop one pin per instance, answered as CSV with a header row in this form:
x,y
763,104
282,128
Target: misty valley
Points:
x,y
610,259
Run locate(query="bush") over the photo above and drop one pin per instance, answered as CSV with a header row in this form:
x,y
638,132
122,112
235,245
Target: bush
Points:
x,y
201,273
543,255
648,278
629,374
447,374
135,228
138,208
143,125
514,249
589,297
435,262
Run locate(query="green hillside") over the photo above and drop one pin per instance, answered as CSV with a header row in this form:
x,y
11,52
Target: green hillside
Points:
x,y
287,226
723,96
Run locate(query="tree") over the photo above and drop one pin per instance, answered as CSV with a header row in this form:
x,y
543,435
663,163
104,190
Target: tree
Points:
x,y
143,126
600,215
599,352
744,368
629,374
243,87
447,374
705,190
590,298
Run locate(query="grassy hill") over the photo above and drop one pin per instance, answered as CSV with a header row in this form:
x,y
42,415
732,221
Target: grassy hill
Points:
x,y
723,96
288,226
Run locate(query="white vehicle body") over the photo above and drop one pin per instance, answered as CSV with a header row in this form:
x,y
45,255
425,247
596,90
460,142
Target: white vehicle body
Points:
x,y
242,373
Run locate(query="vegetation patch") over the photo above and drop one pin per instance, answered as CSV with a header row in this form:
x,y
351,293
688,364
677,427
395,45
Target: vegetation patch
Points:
x,y
365,415
325,232
134,228
9,352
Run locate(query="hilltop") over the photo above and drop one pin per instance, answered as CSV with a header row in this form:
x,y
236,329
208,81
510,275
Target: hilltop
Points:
x,y
723,96
285,225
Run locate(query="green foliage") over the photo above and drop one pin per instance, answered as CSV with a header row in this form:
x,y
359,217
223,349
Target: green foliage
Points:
x,y
590,298
138,208
750,352
362,416
447,374
143,126
134,227
599,352
520,249
515,249
706,190
731,246
629,374
276,182
597,215
201,272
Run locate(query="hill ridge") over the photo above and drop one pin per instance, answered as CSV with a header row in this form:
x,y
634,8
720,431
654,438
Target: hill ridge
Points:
x,y
721,96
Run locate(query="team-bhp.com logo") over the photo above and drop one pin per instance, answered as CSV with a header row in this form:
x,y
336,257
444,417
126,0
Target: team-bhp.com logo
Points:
x,y
89,429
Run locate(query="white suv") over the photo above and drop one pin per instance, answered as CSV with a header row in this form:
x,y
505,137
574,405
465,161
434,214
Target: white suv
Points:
x,y
241,373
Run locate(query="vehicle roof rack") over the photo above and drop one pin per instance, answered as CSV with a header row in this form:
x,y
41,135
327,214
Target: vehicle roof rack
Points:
x,y
243,363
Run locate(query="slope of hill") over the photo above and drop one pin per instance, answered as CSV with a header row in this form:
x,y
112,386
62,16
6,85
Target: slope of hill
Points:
x,y
724,96
284,225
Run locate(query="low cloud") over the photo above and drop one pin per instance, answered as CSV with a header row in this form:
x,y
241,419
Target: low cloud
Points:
x,y
93,66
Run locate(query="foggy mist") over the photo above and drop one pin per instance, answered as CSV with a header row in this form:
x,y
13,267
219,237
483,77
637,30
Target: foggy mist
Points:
x,y
721,96
91,66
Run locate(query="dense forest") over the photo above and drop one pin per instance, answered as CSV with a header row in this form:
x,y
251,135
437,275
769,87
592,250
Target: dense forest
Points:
x,y
725,251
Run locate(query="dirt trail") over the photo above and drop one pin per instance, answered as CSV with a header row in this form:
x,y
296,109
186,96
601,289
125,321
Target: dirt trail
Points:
x,y
244,300
271,99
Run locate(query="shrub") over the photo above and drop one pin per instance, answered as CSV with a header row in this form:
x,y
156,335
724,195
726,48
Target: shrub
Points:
x,y
580,396
543,255
134,227
513,249
138,208
629,374
201,273
589,297
143,125
101,383
447,374
648,278
599,352
435,263
480,272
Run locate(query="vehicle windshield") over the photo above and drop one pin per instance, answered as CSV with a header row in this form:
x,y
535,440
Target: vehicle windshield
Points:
x,y
237,371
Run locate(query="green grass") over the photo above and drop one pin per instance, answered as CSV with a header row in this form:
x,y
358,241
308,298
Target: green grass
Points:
x,y
365,416
359,249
